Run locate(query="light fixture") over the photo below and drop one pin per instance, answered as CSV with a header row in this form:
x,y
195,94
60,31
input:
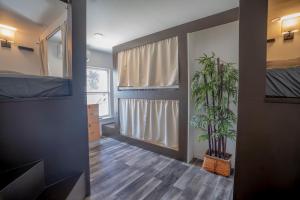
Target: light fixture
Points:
x,y
291,16
98,36
289,26
7,35
276,20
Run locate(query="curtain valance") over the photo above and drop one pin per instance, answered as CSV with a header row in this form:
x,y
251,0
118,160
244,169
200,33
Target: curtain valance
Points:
x,y
151,65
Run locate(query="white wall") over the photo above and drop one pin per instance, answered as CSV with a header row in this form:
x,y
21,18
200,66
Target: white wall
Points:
x,y
99,59
27,34
224,42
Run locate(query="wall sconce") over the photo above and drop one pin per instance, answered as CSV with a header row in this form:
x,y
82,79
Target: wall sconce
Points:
x,y
289,25
7,35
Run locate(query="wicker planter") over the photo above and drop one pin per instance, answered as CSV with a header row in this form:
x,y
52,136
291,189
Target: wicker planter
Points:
x,y
217,165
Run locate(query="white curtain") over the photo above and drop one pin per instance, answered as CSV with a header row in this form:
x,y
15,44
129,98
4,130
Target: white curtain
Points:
x,y
154,121
151,65
66,30
44,56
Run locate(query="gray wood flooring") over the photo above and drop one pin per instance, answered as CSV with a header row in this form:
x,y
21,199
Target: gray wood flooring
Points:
x,y
120,171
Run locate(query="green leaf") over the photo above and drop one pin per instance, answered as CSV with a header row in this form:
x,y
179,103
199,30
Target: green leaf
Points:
x,y
218,85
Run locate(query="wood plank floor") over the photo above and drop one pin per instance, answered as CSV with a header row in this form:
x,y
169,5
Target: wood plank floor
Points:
x,y
120,171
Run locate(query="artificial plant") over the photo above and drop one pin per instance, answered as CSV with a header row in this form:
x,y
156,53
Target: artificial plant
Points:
x,y
214,91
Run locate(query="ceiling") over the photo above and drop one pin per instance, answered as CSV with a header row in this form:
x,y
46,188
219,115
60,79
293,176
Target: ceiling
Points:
x,y
121,20
41,12
124,20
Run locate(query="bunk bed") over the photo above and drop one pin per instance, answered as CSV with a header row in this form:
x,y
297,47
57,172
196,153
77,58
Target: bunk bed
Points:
x,y
145,69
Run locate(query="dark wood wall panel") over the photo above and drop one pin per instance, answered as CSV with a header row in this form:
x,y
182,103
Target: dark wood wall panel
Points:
x,y
183,94
180,93
53,130
268,158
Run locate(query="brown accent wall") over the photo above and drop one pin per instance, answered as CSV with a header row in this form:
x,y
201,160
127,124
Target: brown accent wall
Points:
x,y
268,150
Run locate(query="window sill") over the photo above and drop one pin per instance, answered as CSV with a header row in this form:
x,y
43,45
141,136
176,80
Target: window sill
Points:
x,y
106,120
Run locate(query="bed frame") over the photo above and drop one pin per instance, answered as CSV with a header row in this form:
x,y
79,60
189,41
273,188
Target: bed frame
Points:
x,y
275,64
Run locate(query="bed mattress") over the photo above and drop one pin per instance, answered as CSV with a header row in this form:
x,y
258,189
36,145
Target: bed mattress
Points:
x,y
15,86
283,82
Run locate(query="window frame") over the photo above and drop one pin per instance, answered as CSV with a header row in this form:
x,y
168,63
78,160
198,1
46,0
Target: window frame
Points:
x,y
109,92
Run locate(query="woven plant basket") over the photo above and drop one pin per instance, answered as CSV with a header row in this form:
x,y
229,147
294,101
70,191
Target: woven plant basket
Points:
x,y
217,165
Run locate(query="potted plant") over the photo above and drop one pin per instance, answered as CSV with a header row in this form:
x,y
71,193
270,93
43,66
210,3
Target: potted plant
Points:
x,y
214,91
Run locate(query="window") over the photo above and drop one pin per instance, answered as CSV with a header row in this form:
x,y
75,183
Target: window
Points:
x,y
98,89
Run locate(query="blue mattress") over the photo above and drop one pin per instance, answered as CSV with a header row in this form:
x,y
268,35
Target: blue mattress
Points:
x,y
283,82
16,86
